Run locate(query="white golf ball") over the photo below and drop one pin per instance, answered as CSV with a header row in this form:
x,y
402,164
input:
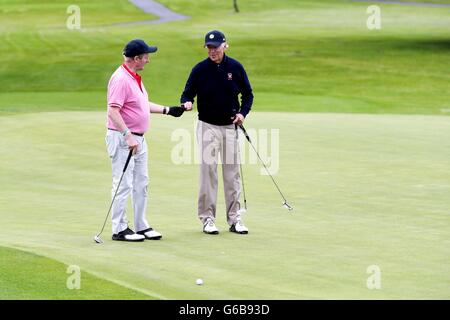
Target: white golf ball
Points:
x,y
199,282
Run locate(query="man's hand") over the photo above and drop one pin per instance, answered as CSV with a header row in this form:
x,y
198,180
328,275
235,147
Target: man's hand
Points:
x,y
176,111
238,119
132,143
188,105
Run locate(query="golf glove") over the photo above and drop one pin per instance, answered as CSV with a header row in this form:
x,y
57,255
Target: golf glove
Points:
x,y
176,111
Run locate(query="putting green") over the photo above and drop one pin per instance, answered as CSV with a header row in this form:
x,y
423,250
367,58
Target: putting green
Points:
x,y
367,190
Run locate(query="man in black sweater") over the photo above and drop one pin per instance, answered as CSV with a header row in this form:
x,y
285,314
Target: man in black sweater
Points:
x,y
217,82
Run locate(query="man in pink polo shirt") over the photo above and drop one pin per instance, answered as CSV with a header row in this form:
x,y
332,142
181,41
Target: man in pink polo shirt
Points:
x,y
128,119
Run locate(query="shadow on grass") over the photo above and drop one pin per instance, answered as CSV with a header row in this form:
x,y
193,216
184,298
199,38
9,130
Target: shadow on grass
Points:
x,y
423,44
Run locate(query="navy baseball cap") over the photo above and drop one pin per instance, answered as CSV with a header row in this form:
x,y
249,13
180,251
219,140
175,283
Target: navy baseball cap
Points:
x,y
214,38
136,47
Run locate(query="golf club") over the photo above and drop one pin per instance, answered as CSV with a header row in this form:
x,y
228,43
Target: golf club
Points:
x,y
285,204
97,238
243,187
242,177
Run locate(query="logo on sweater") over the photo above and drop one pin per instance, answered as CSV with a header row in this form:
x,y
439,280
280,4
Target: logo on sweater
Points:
x,y
230,76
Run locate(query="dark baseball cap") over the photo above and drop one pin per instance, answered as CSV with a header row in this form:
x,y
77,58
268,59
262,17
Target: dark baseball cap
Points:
x,y
214,38
136,47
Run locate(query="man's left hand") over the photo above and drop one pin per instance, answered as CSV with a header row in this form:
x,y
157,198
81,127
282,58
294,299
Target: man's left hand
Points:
x,y
238,119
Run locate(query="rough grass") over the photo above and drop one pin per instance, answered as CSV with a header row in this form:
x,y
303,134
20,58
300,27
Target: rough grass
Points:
x,y
300,56
26,276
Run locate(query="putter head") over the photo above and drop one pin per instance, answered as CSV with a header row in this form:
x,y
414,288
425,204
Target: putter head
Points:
x,y
97,239
287,206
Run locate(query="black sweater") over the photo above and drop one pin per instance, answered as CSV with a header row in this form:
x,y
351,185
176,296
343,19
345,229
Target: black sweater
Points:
x,y
217,87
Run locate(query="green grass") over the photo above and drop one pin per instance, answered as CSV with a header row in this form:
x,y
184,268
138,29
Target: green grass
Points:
x,y
300,55
27,276
367,190
365,164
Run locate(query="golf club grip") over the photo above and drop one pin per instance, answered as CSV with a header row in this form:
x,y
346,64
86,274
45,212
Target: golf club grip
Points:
x,y
128,160
245,132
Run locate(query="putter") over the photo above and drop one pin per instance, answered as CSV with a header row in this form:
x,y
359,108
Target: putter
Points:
x,y
285,203
97,238
241,211
243,190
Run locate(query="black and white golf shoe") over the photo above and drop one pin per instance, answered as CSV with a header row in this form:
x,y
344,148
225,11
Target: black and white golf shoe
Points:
x,y
150,234
239,227
128,235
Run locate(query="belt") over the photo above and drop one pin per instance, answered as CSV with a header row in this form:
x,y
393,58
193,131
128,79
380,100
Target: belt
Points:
x,y
135,133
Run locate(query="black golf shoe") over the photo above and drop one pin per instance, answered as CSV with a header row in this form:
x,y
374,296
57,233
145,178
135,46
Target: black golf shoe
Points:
x,y
239,227
150,234
128,235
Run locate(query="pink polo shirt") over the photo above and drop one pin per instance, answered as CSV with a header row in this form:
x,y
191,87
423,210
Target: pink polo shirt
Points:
x,y
127,92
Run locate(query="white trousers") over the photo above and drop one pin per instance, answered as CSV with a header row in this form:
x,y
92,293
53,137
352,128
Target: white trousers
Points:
x,y
135,181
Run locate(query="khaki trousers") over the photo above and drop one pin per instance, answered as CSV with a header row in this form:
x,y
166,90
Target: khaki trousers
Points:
x,y
214,141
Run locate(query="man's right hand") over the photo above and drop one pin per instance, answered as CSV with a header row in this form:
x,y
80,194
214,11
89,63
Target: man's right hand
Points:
x,y
176,111
132,143
188,105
